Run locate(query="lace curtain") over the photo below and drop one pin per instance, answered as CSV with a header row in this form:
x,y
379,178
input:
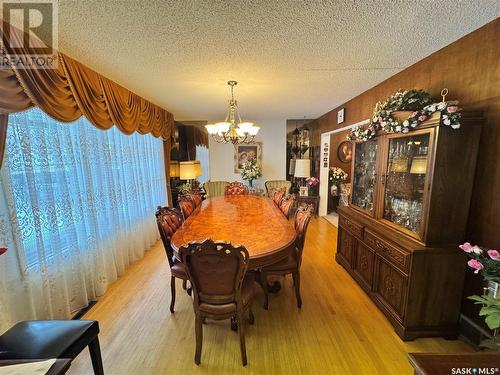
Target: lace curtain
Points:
x,y
203,156
76,208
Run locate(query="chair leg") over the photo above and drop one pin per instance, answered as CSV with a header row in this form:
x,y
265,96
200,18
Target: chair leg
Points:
x,y
95,356
241,331
172,291
199,338
296,282
251,318
263,277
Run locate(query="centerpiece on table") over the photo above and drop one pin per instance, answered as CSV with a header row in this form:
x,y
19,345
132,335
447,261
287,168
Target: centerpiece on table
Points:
x,y
487,263
251,171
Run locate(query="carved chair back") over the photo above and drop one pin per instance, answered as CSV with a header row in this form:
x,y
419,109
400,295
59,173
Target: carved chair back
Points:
x,y
215,188
216,271
302,218
287,204
168,221
186,205
278,196
196,197
236,188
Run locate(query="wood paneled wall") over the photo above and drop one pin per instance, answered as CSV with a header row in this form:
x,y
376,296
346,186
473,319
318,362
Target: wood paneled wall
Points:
x,y
335,140
470,69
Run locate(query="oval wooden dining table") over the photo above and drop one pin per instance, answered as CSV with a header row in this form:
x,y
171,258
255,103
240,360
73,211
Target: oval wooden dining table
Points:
x,y
252,221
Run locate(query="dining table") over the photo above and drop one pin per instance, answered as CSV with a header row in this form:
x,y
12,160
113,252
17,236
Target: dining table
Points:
x,y
254,222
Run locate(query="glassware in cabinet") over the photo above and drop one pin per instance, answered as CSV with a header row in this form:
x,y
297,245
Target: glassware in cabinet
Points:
x,y
365,175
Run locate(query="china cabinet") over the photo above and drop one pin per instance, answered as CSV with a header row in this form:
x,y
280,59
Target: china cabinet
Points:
x,y
408,212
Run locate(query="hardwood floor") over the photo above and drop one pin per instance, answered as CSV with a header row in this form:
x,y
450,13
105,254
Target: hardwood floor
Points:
x,y
338,330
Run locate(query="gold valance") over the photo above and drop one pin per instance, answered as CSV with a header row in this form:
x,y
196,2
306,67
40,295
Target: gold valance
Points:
x,y
72,90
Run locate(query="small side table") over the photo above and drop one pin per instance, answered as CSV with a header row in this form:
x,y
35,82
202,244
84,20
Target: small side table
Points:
x,y
314,200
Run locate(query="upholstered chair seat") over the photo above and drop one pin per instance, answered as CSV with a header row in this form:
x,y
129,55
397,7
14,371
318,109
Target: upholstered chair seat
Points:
x,y
43,339
287,204
273,185
215,188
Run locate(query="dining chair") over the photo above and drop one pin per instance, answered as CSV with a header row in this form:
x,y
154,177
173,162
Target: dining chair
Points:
x,y
236,188
290,265
272,185
168,221
43,339
278,196
287,203
196,197
221,288
186,205
215,188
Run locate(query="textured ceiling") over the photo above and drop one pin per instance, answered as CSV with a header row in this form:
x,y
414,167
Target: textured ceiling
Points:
x,y
293,59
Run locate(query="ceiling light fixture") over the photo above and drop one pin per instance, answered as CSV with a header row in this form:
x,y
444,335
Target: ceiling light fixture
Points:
x,y
229,130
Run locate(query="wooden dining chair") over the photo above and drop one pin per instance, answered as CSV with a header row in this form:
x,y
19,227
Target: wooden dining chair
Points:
x,y
286,204
215,188
43,339
168,221
195,197
221,288
278,196
186,205
290,265
236,188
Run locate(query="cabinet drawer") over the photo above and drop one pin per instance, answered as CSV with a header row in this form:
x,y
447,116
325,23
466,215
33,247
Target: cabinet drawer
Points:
x,y
398,257
352,227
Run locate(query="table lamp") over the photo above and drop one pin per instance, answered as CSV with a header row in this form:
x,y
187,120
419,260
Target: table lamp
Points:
x,y
188,170
303,170
174,168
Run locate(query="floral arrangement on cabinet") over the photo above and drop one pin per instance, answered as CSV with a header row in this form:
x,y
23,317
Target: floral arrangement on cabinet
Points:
x,y
420,104
487,263
250,171
337,176
312,184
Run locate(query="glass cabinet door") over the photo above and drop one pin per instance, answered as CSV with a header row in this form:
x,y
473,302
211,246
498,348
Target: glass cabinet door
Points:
x,y
405,178
364,175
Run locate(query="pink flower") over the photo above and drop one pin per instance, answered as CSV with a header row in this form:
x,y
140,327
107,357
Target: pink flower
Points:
x,y
3,250
414,114
475,264
422,118
467,247
494,254
452,108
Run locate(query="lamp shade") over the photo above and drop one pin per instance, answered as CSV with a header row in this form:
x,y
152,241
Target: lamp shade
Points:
x,y
302,168
419,165
174,168
197,165
188,170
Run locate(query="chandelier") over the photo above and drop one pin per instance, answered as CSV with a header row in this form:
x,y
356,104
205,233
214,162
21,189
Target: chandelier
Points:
x,y
229,130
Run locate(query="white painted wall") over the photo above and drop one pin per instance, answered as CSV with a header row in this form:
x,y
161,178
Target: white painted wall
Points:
x,y
272,134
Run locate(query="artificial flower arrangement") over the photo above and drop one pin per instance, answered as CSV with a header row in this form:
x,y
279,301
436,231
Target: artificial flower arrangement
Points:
x,y
418,101
487,263
312,181
337,175
250,171
188,187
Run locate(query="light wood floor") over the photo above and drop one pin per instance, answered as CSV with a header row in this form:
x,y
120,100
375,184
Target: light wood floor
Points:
x,y
337,331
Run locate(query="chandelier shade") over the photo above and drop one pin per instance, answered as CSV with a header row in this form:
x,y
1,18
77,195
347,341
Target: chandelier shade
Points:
x,y
232,129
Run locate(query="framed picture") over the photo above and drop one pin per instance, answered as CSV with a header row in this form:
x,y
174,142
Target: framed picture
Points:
x,y
303,191
243,152
344,152
340,116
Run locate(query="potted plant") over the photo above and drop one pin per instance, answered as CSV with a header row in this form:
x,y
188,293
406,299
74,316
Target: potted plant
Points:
x,y
487,263
250,171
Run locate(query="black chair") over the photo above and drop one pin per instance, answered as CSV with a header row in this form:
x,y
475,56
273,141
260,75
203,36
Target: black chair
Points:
x,y
44,339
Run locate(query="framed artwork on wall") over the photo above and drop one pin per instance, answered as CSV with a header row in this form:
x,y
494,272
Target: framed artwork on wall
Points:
x,y
344,151
245,152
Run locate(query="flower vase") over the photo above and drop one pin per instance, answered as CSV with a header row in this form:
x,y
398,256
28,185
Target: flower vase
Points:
x,y
250,184
493,289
